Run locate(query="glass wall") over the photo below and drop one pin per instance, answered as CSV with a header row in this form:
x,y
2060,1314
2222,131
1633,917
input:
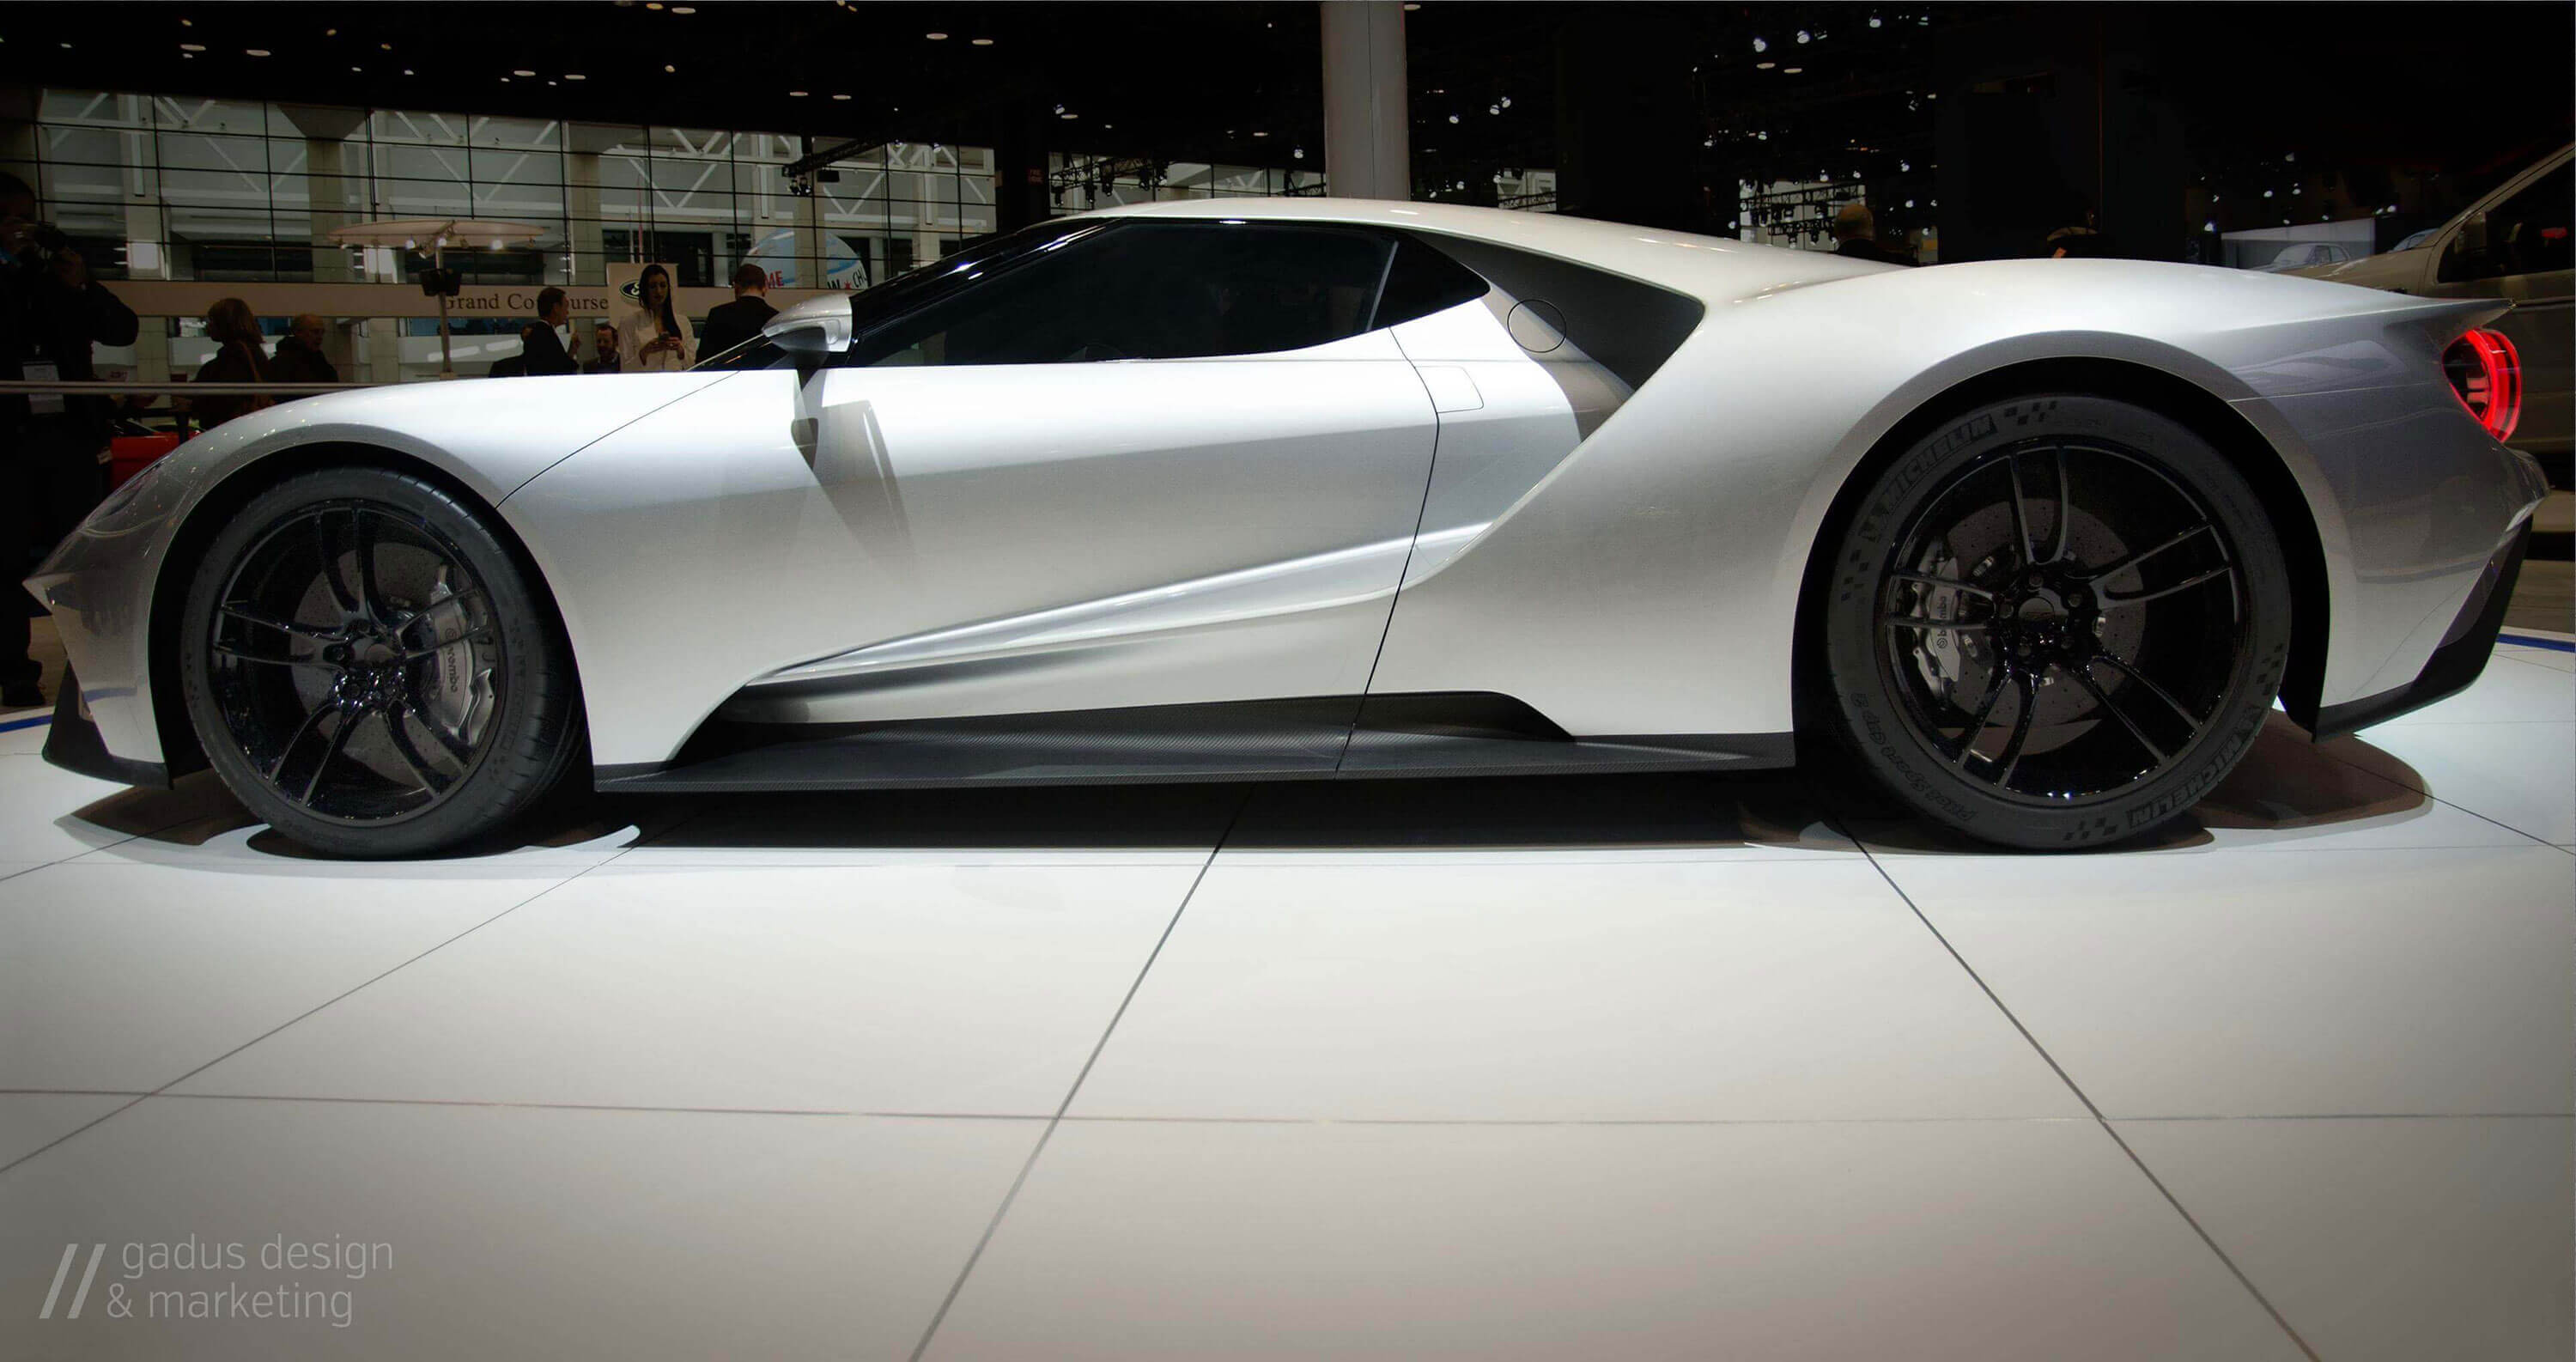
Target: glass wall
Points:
x,y
163,187
174,187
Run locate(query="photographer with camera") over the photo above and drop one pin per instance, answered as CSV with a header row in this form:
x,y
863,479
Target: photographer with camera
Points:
x,y
53,446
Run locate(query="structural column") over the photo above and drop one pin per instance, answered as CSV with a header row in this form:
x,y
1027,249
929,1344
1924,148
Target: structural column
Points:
x,y
1367,142
583,143
333,199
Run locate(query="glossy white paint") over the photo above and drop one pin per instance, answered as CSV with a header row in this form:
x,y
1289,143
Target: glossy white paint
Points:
x,y
919,542
489,435
912,542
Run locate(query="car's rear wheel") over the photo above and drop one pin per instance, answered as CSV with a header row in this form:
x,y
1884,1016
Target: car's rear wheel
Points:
x,y
368,670
2056,622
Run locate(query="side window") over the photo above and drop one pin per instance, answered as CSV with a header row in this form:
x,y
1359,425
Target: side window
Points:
x,y
1423,281
1151,290
2525,234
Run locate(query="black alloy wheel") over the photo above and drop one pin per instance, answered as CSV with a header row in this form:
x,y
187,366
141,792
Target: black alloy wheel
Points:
x,y
366,670
2057,623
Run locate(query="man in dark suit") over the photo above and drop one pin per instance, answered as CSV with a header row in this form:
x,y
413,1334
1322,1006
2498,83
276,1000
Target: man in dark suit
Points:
x,y
543,348
1856,236
733,323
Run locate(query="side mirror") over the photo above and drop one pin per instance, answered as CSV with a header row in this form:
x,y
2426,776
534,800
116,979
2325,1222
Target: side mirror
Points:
x,y
813,329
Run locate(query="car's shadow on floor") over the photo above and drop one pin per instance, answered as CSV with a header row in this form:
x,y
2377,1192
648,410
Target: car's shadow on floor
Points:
x,y
2286,785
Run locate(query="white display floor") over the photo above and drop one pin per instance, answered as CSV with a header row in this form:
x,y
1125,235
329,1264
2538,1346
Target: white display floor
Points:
x,y
1619,1068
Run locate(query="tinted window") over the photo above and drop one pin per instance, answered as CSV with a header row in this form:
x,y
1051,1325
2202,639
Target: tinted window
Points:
x,y
1148,290
1423,281
2525,234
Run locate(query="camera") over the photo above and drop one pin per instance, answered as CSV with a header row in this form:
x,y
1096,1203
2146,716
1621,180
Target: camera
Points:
x,y
45,240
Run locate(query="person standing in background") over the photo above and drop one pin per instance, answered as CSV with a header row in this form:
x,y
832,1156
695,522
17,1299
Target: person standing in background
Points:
x,y
544,347
604,358
53,446
299,357
740,320
237,359
1856,236
656,336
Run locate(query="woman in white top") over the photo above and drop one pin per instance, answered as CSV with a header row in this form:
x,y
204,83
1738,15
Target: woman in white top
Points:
x,y
657,339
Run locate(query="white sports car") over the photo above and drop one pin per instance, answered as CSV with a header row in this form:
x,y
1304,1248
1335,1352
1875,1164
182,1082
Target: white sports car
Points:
x,y
1316,488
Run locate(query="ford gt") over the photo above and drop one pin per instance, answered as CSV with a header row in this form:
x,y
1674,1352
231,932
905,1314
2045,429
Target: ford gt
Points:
x,y
1314,488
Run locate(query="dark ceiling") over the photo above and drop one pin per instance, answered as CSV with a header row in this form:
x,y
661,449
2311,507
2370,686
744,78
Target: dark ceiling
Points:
x,y
2443,85
1197,80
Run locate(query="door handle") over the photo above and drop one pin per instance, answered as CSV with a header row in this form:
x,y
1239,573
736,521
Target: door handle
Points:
x,y
1450,387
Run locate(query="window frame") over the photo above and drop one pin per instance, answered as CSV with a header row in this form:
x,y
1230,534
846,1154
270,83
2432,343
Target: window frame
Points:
x,y
1390,240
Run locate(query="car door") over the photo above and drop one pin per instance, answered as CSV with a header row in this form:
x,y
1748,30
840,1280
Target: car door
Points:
x,y
1140,464
2517,247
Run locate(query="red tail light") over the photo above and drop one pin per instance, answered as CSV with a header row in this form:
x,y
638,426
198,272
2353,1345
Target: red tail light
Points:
x,y
2487,374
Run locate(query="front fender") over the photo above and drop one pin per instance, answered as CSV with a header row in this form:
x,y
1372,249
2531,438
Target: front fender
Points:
x,y
490,436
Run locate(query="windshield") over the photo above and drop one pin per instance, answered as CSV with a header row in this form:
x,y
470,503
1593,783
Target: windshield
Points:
x,y
873,307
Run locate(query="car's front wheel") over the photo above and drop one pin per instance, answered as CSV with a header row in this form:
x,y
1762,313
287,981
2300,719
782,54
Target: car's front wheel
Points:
x,y
368,670
2058,621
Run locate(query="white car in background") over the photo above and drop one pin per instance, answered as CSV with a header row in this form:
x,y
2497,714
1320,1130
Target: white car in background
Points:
x,y
2304,255
2513,244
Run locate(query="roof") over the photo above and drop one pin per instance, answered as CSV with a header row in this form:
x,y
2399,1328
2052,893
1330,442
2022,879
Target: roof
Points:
x,y
1708,267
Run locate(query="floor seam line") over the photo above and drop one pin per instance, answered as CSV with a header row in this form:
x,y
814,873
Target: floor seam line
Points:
x,y
976,1255
300,1016
2099,1119
2428,794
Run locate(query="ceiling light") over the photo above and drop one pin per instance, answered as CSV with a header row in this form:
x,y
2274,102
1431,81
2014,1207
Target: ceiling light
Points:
x,y
192,47
1873,21
795,94
1507,101
187,23
1076,115
568,75
667,68
406,70
523,73
684,9
1299,153
981,42
1261,134
1764,65
1761,45
1791,70
358,69
1452,118
411,243
330,33
1803,35
936,37
384,47
247,51
840,96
